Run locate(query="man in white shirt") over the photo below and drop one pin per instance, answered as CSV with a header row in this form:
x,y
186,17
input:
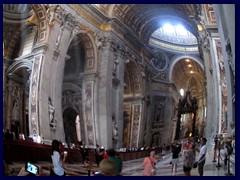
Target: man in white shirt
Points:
x,y
202,156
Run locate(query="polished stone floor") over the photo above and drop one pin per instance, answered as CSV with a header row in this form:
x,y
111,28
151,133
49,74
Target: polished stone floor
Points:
x,y
135,167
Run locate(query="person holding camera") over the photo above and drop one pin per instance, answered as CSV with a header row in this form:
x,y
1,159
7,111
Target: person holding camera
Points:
x,y
57,160
25,172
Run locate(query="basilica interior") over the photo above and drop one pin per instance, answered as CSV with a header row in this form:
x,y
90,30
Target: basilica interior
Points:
x,y
118,75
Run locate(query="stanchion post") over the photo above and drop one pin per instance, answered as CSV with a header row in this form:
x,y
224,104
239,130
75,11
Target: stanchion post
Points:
x,y
228,173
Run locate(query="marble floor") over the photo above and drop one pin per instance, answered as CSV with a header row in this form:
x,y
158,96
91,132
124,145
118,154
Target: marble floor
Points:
x,y
135,167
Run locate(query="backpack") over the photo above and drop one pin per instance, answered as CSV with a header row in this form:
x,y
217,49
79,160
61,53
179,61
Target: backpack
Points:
x,y
229,150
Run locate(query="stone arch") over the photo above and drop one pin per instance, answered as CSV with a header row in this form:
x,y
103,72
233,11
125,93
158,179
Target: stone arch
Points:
x,y
132,79
16,66
69,117
41,21
19,73
90,60
11,48
196,84
40,12
133,91
178,58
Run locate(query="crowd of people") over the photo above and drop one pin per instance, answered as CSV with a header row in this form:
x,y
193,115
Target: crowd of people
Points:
x,y
109,163
187,149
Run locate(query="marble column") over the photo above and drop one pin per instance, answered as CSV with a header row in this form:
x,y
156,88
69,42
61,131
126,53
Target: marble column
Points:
x,y
22,109
104,97
212,106
225,17
9,104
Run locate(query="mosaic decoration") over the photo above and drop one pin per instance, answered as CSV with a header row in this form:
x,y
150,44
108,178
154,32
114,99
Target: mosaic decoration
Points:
x,y
159,61
223,84
88,111
34,94
136,124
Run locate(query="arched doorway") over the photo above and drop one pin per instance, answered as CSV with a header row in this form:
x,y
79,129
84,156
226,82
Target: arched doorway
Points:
x,y
133,105
70,126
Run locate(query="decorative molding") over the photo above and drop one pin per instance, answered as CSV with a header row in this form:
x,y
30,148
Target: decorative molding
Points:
x,y
86,15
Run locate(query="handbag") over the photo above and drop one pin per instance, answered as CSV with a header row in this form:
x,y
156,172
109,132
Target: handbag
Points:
x,y
195,164
153,172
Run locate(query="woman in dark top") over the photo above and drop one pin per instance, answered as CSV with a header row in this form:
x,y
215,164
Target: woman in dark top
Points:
x,y
175,153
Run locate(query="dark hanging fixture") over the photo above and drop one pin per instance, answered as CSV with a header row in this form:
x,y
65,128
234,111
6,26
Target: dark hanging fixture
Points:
x,y
186,105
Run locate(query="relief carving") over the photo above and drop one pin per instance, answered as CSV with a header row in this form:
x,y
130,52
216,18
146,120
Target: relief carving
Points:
x,y
15,111
51,13
101,41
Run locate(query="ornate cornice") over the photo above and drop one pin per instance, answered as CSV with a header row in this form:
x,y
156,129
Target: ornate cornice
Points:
x,y
85,14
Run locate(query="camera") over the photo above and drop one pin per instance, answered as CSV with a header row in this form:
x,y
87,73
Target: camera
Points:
x,y
31,168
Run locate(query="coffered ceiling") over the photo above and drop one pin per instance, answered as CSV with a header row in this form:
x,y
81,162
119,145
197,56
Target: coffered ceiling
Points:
x,y
188,74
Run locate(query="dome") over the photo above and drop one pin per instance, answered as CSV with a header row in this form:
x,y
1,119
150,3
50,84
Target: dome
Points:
x,y
174,37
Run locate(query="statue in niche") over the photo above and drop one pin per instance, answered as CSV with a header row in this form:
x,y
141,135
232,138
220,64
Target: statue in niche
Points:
x,y
155,138
16,91
98,40
51,111
15,111
115,65
51,13
59,38
88,96
114,129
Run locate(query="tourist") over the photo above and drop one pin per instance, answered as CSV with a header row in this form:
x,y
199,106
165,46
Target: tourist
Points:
x,y
149,164
57,159
189,156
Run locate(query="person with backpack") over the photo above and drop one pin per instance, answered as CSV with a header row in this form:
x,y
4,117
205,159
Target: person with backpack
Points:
x,y
113,156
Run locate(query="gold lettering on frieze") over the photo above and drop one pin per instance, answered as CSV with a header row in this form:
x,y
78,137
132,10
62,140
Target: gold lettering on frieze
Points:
x,y
106,27
85,15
